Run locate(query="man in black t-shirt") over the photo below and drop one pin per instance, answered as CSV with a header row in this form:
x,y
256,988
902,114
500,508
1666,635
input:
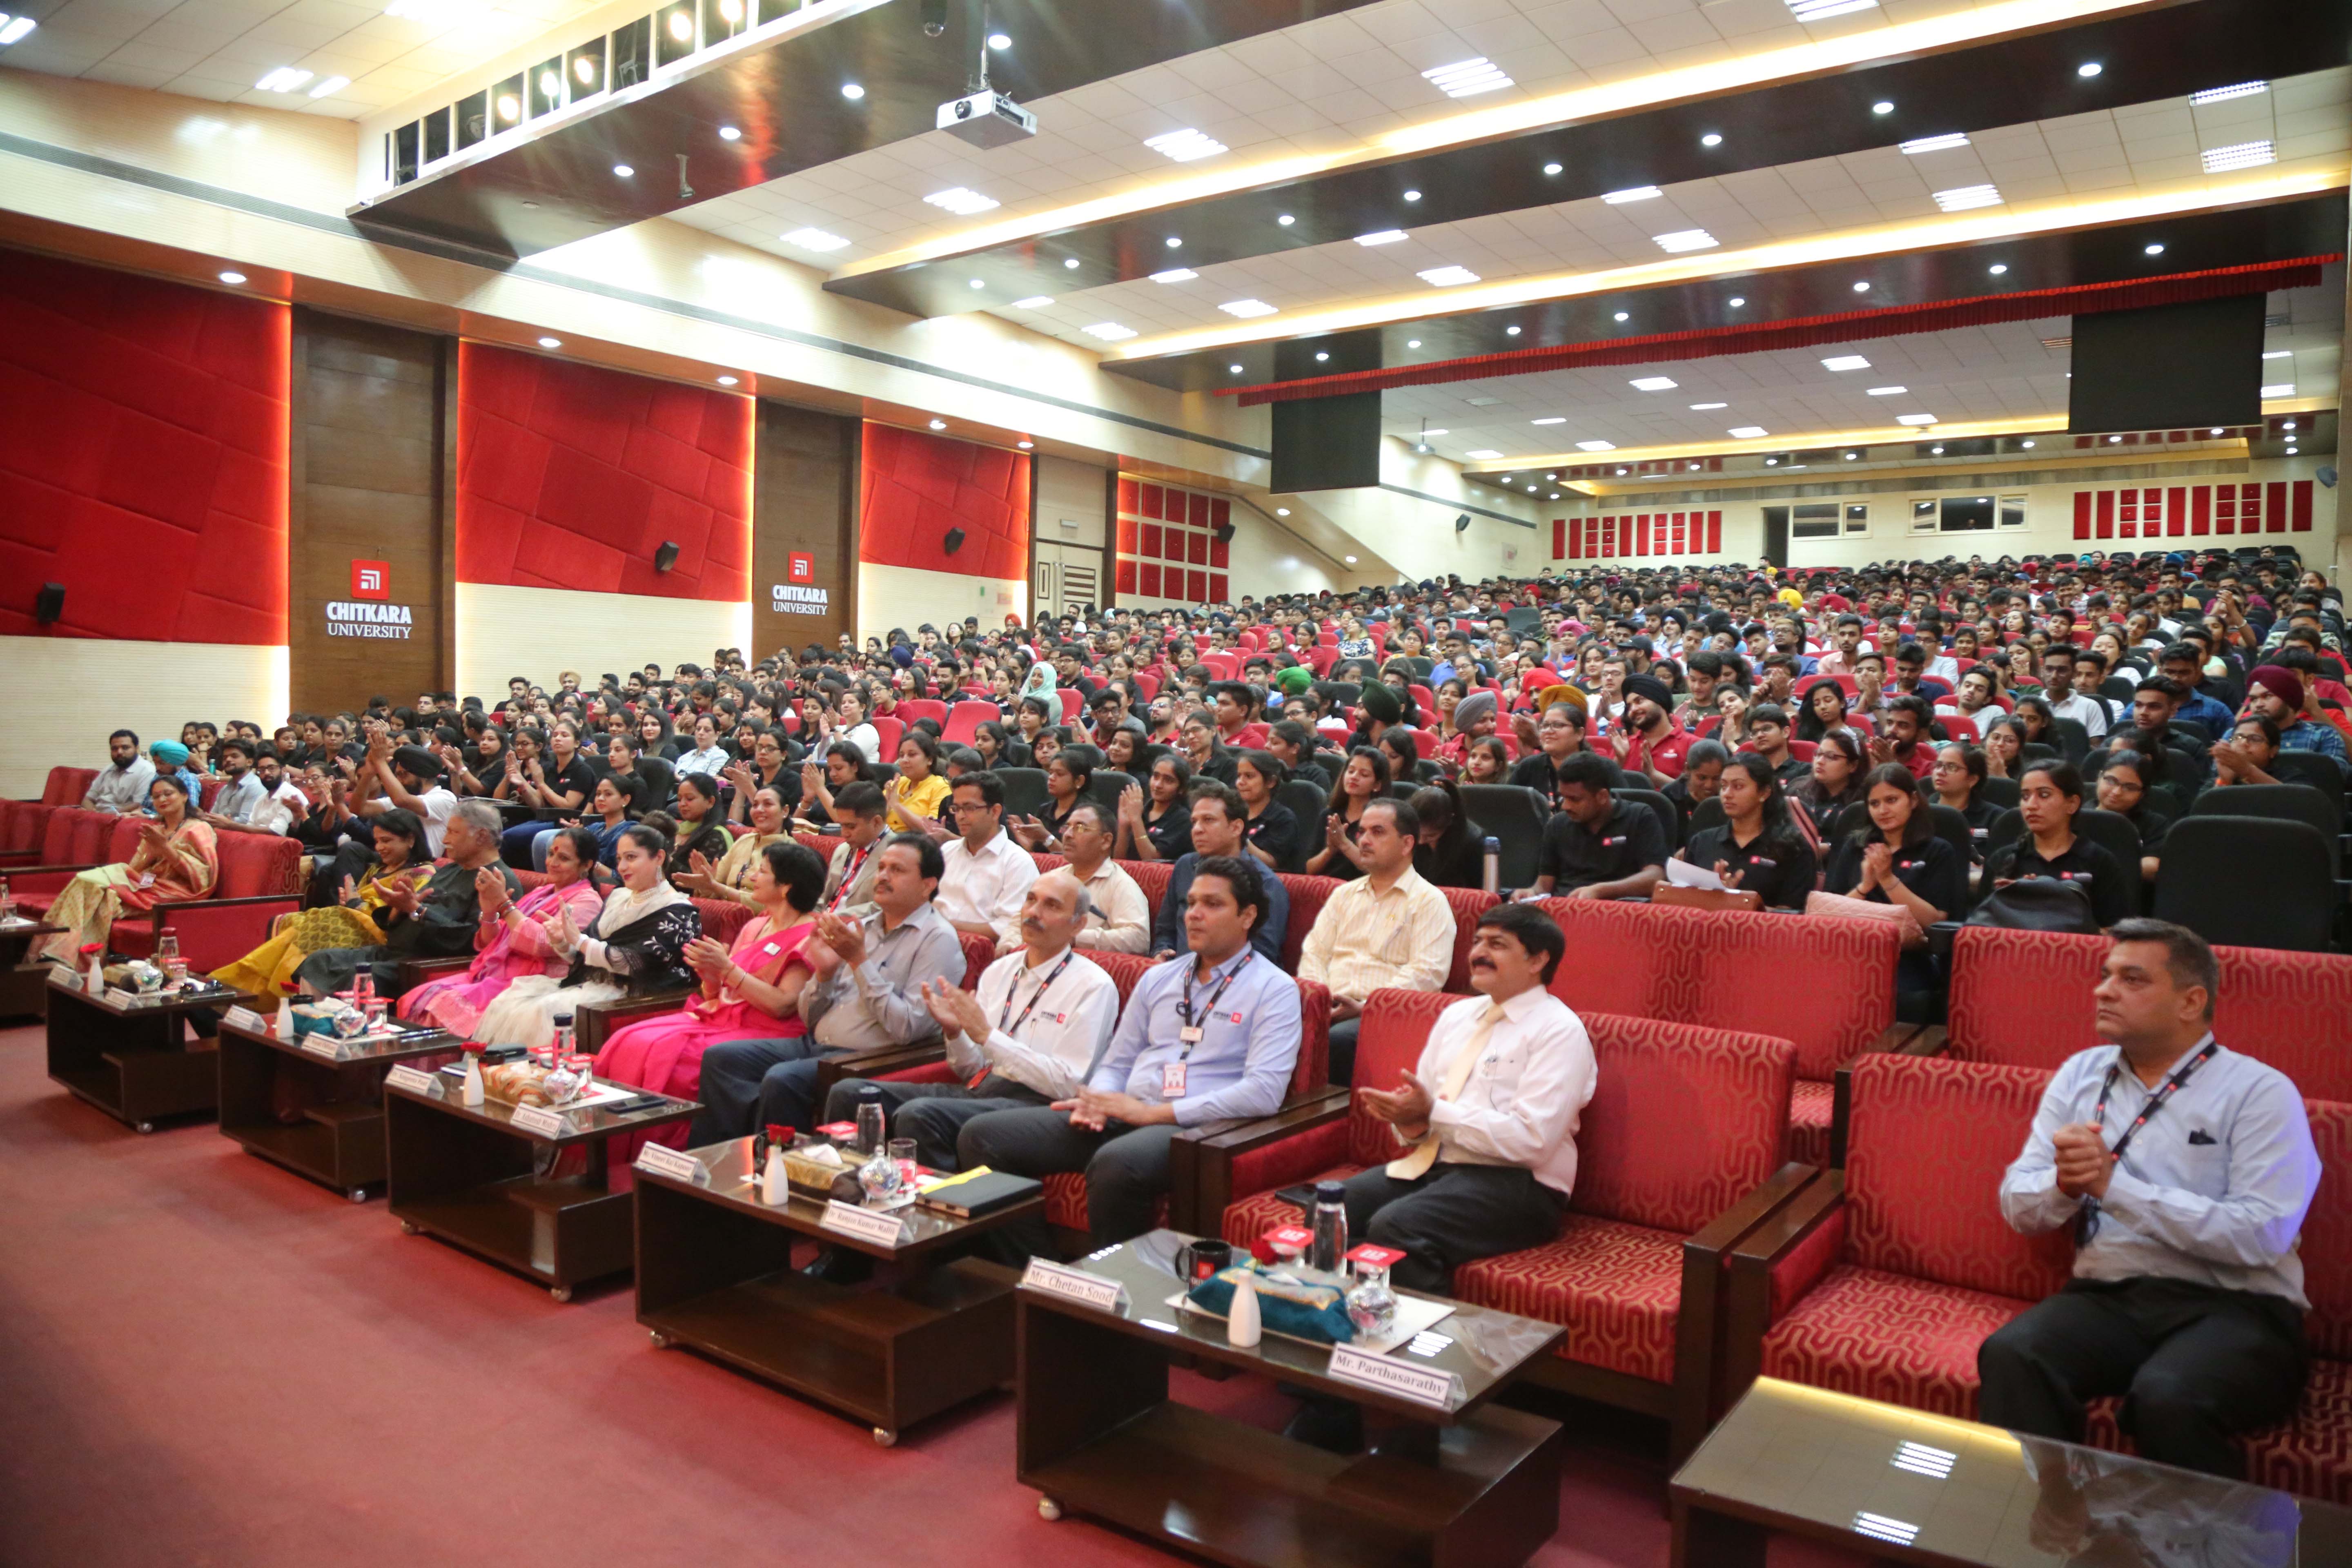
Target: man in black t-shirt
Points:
x,y
1598,847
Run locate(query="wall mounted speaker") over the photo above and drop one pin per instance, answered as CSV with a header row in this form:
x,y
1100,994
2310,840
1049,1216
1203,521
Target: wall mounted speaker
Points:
x,y
2326,475
666,556
954,541
1225,532
1462,523
50,603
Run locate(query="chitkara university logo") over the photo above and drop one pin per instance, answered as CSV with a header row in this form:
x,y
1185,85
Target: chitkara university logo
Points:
x,y
371,580
802,568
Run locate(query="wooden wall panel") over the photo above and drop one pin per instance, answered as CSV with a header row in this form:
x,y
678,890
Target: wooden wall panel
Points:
x,y
805,486
369,483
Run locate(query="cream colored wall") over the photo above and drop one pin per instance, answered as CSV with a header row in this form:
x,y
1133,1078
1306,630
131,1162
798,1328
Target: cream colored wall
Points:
x,y
1407,537
505,631
1068,490
65,695
906,596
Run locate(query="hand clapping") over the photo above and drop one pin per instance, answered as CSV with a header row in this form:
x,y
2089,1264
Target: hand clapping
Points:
x,y
2084,1163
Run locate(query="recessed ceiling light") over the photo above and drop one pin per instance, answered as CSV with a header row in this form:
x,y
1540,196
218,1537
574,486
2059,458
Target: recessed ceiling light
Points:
x,y
1822,10
2217,94
2288,426
729,133
1736,301
1882,107
1863,287
1413,195
1550,477
1282,512
285,79
1965,198
1748,432
1555,419
1412,342
1285,220
1482,454
1109,332
622,171
852,91
2238,155
1772,462
1552,168
1712,139
1437,432
1446,277
1624,316
1916,419
1934,451
938,424
232,278
1596,445
979,282
1248,307
1321,355
2217,430
1024,444
1380,237
1620,471
1467,78
2279,389
1175,275
1000,41
1175,242
1349,559
2027,445
1510,331
14,28
2157,249
1919,145
1685,239
1652,384
326,88
2291,451
1637,193
2089,68
1035,301
727,381
2115,440
961,201
1070,262
1846,361
2278,354
550,343
681,25
1703,407
1888,391
1852,457
1999,269
1185,146
1234,369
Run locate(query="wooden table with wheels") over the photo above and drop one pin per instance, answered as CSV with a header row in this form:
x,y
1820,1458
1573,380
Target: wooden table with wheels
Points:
x,y
23,981
339,1140
1879,1480
1469,1486
132,1056
715,1274
467,1175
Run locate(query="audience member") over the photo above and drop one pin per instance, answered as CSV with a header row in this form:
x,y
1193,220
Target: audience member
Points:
x,y
986,874
1598,847
1218,825
1387,928
432,919
635,947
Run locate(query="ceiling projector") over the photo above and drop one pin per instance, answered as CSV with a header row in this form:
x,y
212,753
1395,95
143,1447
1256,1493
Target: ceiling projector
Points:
x,y
987,118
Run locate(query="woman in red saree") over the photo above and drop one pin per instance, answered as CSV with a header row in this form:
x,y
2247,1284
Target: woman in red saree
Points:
x,y
176,860
750,991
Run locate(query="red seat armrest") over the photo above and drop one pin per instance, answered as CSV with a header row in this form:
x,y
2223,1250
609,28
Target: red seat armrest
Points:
x,y
1771,1270
1201,1160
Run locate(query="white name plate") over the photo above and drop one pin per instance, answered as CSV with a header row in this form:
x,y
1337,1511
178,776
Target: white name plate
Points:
x,y
322,1043
117,997
68,979
876,1226
1422,1384
676,1163
1075,1285
409,1077
537,1120
246,1018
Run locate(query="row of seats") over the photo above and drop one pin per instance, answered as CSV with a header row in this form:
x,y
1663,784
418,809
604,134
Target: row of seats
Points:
x,y
261,879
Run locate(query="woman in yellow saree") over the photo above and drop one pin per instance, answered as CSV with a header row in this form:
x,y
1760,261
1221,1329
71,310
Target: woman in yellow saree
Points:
x,y
176,860
359,920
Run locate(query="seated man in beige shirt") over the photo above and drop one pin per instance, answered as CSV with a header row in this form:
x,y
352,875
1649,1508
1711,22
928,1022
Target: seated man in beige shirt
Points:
x,y
1388,927
1120,918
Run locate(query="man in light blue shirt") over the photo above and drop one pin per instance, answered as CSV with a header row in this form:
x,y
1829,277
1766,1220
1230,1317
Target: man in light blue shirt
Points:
x,y
1202,1039
2185,1171
120,788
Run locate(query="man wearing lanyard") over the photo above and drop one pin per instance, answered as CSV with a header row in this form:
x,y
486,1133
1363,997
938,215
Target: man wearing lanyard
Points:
x,y
1202,1039
849,880
2184,1171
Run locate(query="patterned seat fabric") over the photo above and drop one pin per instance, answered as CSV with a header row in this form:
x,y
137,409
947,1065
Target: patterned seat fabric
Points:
x,y
1151,876
1888,1337
1307,897
1617,1286
1811,1107
1469,903
2311,1455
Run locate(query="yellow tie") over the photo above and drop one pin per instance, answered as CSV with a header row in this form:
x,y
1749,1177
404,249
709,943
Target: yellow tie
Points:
x,y
1415,1162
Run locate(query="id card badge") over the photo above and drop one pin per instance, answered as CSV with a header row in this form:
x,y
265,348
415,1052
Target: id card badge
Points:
x,y
1172,1081
1189,1034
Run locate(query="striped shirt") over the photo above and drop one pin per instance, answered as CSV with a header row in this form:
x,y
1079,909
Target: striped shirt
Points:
x,y
1364,939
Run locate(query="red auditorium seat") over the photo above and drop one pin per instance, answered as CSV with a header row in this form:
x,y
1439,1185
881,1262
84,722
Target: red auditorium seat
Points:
x,y
1469,904
963,721
1874,1281
1307,897
1680,1154
1151,876
931,708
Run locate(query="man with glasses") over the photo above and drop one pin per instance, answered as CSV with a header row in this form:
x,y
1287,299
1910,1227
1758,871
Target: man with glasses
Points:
x,y
987,875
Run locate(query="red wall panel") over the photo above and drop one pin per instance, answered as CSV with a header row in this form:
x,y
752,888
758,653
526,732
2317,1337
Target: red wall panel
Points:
x,y
143,455
571,476
918,485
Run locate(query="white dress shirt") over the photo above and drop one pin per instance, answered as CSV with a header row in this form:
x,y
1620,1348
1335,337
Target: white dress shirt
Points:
x,y
1122,918
1062,1034
986,888
274,813
1524,1099
2091,713
712,761
866,739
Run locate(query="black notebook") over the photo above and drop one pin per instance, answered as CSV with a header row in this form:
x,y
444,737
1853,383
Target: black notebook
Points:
x,y
982,1194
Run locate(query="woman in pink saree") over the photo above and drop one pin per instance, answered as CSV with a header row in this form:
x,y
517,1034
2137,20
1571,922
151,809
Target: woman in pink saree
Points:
x,y
750,991
511,941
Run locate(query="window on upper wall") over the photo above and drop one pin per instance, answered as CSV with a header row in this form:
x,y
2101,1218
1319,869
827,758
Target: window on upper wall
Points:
x,y
1923,516
1813,520
1857,518
2013,511
1964,514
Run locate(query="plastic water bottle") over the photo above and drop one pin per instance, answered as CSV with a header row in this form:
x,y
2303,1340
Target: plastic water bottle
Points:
x,y
168,959
7,903
1331,1243
1493,880
473,1091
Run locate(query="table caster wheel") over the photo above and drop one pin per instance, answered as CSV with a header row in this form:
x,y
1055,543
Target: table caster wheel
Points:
x,y
1048,1510
662,1342
560,1292
884,1438
145,1127
408,1227
357,1194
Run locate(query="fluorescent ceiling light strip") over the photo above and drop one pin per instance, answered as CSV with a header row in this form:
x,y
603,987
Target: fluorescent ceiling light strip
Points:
x,y
1967,198
2241,155
1686,240
1942,232
1823,10
1932,144
1467,78
1638,193
1956,29
2222,94
1185,146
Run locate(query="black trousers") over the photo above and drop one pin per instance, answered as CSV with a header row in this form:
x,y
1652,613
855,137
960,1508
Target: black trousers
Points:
x,y
2194,1363
1125,1167
750,1084
1343,1051
1454,1214
932,1114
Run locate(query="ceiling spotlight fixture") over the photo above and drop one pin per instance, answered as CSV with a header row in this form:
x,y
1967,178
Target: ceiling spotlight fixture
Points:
x,y
1246,309
1349,559
938,424
1822,10
1916,419
1070,262
1703,407
2219,94
326,88
1552,168
980,283
1919,145
1185,146
681,25
1966,198
1712,139
2088,69
727,381
1234,369
1934,451
1000,41
16,28
1109,332
2289,424
1412,342
1555,419
1863,287
1999,269
1321,355
1850,457
2026,445
232,278
1882,107
2238,155
285,79
1035,301
961,201
1596,445
1446,277
1772,462
2217,430
729,133
1685,239
1637,193
1175,242
1736,301
2114,440
1624,316
1846,361
1888,391
1510,331
1175,275
2156,249
2278,354
1413,195
622,171
1652,384
1467,78
1285,220
1748,432
852,91
1024,444
1380,237
1282,512
550,343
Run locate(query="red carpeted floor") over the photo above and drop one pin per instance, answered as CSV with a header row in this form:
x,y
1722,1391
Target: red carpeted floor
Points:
x,y
204,1360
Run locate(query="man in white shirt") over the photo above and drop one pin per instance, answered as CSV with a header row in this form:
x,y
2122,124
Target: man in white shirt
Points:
x,y
120,788
987,874
1041,1015
273,807
408,777
1387,928
1120,917
2065,702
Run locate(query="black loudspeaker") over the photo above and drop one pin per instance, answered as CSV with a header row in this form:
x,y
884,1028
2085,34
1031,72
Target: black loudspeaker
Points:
x,y
666,556
954,541
1462,523
1225,532
50,603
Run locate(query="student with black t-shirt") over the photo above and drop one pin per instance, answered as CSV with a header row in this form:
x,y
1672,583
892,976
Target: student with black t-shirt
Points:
x,y
1760,849
1292,744
1899,860
1558,735
2049,794
1272,833
1598,847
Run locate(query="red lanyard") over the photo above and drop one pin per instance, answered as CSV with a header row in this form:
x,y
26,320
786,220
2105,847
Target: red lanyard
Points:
x,y
849,877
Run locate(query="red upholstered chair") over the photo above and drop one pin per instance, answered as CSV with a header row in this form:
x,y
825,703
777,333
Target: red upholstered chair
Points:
x,y
208,789
1307,897
1048,862
72,840
261,879
21,825
822,844
1074,702
963,721
1469,903
67,786
892,730
1828,985
1151,876
1679,1155
931,708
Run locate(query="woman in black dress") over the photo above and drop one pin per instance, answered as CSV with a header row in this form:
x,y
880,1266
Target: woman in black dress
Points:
x,y
1760,849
